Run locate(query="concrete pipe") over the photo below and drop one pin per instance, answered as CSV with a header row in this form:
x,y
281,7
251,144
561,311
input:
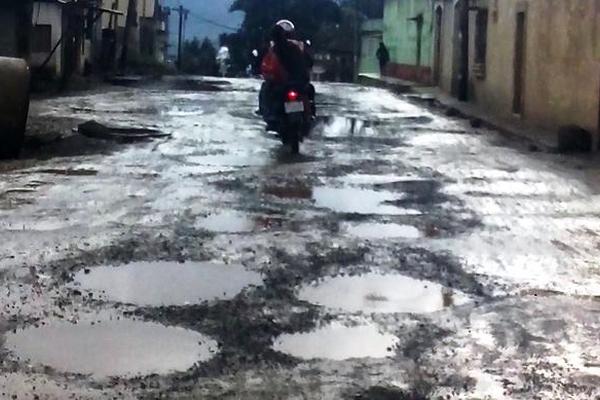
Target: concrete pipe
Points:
x,y
14,105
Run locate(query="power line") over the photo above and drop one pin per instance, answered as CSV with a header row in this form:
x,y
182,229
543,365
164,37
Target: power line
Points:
x,y
214,23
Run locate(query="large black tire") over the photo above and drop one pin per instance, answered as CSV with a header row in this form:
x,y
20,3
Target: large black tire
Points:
x,y
292,134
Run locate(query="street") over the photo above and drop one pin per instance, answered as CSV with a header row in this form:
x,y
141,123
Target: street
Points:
x,y
402,255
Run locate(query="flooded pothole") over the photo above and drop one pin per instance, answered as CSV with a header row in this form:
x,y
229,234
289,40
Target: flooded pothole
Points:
x,y
380,293
337,126
230,160
111,348
342,126
167,283
371,179
338,342
383,231
359,201
227,222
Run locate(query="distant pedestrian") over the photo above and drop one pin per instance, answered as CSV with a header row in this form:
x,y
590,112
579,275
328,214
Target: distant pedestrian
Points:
x,y
383,56
255,62
223,58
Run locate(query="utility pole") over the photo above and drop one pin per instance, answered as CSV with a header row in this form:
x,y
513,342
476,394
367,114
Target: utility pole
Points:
x,y
183,14
130,22
356,49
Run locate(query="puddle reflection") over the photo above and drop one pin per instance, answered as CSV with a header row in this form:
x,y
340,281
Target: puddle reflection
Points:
x,y
111,348
338,342
380,293
167,283
359,201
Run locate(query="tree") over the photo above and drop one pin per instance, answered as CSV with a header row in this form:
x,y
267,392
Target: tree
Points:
x,y
330,24
200,58
372,9
240,49
308,15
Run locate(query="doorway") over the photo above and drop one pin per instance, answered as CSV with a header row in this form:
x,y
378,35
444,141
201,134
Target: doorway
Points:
x,y
437,57
460,74
519,66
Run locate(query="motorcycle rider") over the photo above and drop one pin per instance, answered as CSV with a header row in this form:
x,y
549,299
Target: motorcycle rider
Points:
x,y
286,61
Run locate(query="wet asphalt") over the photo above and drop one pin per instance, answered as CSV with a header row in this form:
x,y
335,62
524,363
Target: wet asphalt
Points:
x,y
402,255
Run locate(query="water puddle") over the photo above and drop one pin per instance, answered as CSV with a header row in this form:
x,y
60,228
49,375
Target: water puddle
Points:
x,y
342,126
227,222
336,126
230,160
167,283
371,179
359,201
194,85
379,293
111,348
338,342
383,231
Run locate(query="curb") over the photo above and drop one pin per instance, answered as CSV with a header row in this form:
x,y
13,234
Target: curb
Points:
x,y
477,121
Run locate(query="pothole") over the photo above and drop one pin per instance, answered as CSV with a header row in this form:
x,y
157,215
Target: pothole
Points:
x,y
111,348
380,293
359,201
383,231
338,342
298,191
230,160
167,283
342,126
227,222
370,179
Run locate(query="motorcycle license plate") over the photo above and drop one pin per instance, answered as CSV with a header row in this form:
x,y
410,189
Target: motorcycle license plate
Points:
x,y
294,107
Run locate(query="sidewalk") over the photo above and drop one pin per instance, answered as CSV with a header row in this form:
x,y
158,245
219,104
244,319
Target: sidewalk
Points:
x,y
434,97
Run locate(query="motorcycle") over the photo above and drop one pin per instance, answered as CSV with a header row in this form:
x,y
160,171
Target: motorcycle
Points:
x,y
291,115
287,107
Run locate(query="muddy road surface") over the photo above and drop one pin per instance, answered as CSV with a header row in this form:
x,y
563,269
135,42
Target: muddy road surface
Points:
x,y
403,255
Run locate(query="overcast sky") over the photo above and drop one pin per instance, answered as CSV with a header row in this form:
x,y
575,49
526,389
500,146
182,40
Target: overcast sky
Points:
x,y
216,11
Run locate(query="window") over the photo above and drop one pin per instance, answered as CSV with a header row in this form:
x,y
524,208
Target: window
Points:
x,y
41,41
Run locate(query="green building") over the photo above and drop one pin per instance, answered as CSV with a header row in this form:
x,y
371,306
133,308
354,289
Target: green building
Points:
x,y
409,37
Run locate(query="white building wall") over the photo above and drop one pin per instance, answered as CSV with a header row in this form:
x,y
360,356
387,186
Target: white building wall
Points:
x,y
118,20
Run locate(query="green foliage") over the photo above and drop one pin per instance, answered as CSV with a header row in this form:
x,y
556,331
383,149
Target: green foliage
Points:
x,y
146,65
240,49
330,24
372,9
308,15
339,37
199,58
261,15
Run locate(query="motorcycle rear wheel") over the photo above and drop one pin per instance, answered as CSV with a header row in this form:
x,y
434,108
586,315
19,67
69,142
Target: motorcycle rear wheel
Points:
x,y
295,143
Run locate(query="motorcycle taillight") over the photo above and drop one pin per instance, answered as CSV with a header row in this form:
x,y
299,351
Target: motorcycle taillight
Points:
x,y
292,96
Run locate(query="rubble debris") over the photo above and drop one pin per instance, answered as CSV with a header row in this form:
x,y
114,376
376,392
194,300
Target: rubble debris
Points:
x,y
95,130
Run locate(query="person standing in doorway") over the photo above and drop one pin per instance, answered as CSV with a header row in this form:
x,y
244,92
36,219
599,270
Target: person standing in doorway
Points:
x,y
383,56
